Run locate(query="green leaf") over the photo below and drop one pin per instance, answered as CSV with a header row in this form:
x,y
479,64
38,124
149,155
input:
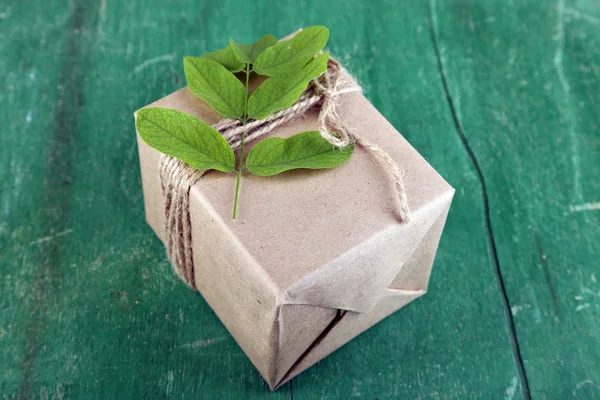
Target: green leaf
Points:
x,y
247,53
226,58
185,137
285,58
278,93
214,84
304,150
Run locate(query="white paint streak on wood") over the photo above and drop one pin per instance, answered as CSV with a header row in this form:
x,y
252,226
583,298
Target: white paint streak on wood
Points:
x,y
170,379
51,237
583,383
558,64
582,307
101,16
203,342
576,14
7,12
147,63
590,292
593,206
512,389
518,308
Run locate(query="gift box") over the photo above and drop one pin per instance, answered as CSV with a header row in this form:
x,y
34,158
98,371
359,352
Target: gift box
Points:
x,y
315,257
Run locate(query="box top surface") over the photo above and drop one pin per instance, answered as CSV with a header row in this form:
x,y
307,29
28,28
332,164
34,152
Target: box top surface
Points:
x,y
296,224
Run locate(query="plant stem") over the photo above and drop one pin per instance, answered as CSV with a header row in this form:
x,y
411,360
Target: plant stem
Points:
x,y
239,174
241,164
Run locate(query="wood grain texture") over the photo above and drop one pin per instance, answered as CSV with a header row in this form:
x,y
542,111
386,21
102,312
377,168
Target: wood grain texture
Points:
x,y
501,98
535,136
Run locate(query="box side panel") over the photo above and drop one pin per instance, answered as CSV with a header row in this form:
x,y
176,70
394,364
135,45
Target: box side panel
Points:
x,y
349,326
234,285
415,274
299,326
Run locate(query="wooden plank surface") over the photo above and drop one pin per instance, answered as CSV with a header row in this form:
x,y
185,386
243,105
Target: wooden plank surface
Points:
x,y
532,125
501,97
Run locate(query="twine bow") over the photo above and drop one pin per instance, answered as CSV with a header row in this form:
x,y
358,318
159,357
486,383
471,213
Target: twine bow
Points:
x,y
177,177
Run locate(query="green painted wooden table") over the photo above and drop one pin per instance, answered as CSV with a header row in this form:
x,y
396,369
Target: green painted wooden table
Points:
x,y
502,97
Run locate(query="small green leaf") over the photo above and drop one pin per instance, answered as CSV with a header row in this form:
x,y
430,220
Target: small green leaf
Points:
x,y
275,94
185,137
247,53
226,58
304,150
287,57
214,84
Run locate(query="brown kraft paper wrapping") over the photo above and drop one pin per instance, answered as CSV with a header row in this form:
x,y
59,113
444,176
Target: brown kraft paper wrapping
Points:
x,y
315,257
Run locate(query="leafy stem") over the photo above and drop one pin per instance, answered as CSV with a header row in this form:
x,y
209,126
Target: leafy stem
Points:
x,y
241,163
288,67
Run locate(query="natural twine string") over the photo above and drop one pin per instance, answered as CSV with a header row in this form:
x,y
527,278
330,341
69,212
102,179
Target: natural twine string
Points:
x,y
177,178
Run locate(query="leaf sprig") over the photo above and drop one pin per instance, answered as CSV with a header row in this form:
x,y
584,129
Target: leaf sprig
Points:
x,y
289,67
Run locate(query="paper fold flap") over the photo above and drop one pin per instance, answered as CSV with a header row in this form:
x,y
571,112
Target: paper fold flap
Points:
x,y
356,280
329,337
